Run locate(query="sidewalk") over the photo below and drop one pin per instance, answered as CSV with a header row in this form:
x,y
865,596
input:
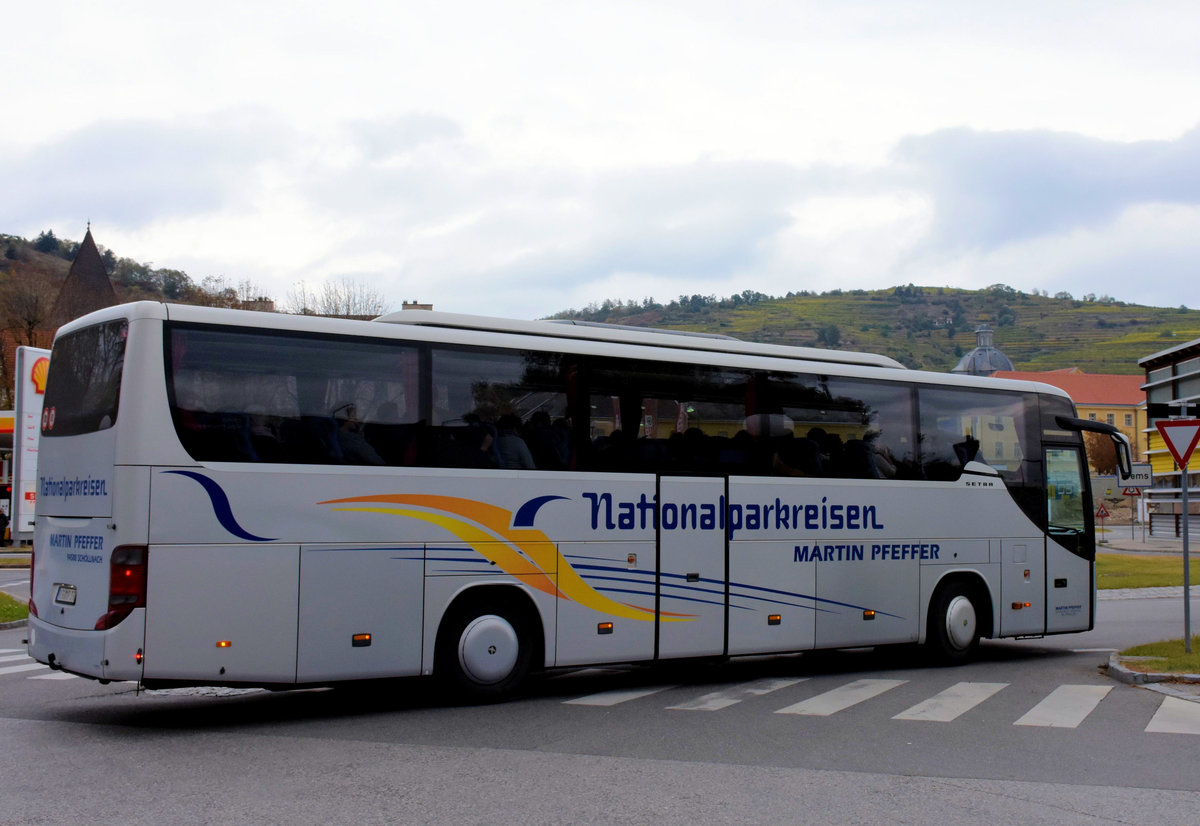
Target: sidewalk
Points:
x,y
1118,540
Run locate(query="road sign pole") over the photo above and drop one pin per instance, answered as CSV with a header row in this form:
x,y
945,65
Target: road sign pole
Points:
x,y
1187,579
1181,437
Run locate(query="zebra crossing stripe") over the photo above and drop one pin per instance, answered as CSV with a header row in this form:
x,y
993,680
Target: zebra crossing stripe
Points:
x,y
949,704
717,700
612,698
55,675
12,650
12,658
839,699
1176,716
1065,706
14,669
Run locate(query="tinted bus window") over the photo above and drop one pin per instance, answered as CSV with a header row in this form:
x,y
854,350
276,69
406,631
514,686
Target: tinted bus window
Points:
x,y
246,396
662,417
844,428
962,426
84,386
497,408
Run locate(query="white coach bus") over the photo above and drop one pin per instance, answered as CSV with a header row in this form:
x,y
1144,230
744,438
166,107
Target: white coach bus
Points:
x,y
237,498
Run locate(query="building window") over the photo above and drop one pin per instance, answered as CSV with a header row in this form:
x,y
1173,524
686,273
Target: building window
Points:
x,y
1092,417
1111,418
1129,420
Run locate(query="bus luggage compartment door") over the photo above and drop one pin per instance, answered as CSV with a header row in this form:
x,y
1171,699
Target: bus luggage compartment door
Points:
x,y
222,613
692,566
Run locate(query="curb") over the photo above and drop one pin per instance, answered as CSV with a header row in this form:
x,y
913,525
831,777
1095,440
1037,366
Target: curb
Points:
x,y
14,624
1118,671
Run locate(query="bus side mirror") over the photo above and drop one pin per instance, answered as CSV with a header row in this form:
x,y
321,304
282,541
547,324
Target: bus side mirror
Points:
x,y
1124,454
1120,441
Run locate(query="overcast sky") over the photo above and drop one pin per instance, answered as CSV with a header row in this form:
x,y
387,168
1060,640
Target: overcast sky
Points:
x,y
521,158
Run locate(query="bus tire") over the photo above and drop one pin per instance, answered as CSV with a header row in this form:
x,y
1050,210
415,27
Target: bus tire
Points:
x,y
484,650
954,623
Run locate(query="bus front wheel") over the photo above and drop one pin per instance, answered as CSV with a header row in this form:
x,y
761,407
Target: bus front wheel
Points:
x,y
485,652
954,623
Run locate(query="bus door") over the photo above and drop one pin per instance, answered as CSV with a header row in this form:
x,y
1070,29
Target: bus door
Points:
x,y
1070,542
692,590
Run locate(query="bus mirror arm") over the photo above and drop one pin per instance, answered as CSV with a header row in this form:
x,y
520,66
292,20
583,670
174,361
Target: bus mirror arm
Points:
x,y
1120,440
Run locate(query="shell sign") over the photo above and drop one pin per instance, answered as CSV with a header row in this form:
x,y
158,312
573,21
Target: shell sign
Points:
x,y
38,374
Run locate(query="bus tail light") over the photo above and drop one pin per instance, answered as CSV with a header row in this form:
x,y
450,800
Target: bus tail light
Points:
x,y
126,584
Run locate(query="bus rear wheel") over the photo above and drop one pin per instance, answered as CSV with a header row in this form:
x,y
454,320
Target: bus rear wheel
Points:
x,y
954,623
484,652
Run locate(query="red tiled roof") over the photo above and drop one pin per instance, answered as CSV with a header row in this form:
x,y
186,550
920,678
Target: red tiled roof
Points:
x,y
1086,388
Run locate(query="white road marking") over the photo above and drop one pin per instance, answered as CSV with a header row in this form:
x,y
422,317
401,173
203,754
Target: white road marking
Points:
x,y
1176,716
839,699
55,675
1065,706
612,698
717,700
949,704
14,669
12,658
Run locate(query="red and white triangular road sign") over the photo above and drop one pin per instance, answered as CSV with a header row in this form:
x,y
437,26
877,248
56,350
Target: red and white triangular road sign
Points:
x,y
1180,436
1102,512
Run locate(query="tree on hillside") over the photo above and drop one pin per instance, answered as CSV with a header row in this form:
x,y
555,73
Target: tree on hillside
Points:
x,y
26,301
829,335
47,243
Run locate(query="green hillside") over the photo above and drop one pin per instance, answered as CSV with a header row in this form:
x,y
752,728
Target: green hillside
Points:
x,y
930,327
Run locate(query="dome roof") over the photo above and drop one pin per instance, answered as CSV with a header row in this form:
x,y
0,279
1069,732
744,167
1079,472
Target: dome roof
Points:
x,y
985,359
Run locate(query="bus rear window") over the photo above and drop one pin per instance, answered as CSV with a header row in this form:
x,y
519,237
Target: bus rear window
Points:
x,y
84,385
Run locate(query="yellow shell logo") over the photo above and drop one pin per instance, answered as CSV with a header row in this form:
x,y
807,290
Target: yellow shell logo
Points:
x,y
38,374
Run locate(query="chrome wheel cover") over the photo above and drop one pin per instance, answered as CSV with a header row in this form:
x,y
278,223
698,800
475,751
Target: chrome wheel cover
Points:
x,y
960,623
487,649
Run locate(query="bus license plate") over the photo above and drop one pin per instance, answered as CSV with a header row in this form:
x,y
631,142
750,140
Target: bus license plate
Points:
x,y
65,595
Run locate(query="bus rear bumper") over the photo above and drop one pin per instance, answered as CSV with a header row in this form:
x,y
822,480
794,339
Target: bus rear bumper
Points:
x,y
115,654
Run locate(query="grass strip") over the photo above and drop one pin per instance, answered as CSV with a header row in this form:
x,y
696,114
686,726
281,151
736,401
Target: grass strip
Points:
x,y
12,609
1167,657
1142,570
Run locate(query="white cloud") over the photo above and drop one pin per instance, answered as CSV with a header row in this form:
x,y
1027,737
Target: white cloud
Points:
x,y
525,157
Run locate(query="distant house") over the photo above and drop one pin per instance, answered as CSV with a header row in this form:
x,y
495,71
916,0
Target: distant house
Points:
x,y
1102,397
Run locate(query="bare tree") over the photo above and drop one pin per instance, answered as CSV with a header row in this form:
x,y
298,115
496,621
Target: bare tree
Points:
x,y
26,302
341,298
300,300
